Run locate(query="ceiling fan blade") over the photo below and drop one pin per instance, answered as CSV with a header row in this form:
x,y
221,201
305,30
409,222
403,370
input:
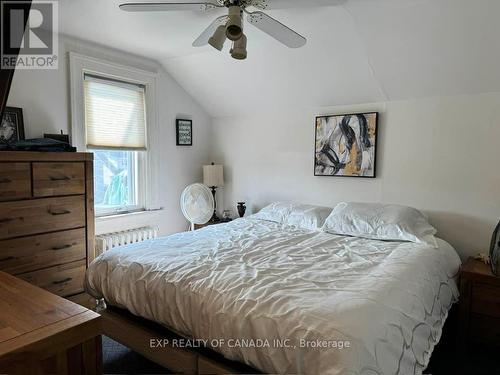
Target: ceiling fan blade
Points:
x,y
284,4
167,7
202,40
276,29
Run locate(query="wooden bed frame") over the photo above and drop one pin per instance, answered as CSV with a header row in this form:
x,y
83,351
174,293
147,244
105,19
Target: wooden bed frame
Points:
x,y
137,333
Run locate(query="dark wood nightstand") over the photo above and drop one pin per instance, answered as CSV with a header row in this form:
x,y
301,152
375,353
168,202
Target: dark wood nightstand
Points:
x,y
222,221
479,313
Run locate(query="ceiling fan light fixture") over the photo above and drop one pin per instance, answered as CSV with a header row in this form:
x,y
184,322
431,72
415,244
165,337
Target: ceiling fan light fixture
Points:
x,y
234,26
230,25
219,38
239,50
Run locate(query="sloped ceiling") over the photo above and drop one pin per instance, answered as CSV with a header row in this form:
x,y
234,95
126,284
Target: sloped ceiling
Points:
x,y
362,51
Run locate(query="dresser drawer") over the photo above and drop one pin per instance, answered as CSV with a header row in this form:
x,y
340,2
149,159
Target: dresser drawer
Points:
x,y
51,179
484,329
485,300
63,280
41,215
15,181
35,252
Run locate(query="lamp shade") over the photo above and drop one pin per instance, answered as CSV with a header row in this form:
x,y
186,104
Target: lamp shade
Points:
x,y
213,175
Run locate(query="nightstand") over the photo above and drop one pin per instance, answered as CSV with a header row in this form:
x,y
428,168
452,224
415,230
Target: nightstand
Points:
x,y
221,221
479,312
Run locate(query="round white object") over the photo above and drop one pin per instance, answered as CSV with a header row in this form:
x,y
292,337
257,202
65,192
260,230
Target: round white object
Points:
x,y
197,203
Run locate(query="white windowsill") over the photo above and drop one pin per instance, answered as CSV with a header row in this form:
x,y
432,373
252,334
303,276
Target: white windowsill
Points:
x,y
126,215
118,223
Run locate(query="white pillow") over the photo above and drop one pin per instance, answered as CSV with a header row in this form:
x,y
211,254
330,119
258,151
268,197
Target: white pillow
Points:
x,y
380,222
276,212
306,216
303,216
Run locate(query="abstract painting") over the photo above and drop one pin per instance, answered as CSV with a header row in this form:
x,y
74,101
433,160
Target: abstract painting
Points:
x,y
346,145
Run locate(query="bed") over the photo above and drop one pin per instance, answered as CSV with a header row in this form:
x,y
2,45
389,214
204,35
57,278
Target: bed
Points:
x,y
287,300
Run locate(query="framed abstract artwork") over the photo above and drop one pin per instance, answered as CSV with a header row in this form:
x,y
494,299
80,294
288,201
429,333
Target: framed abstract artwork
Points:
x,y
346,145
184,132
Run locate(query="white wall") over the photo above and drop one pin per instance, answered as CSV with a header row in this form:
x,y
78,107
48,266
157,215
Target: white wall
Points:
x,y
440,155
44,96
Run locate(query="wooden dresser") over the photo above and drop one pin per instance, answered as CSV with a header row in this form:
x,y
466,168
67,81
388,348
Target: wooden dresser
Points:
x,y
479,313
47,218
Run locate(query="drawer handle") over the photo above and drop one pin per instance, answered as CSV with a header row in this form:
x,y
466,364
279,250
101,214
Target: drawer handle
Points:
x,y
5,180
62,281
6,220
61,247
6,259
57,213
64,178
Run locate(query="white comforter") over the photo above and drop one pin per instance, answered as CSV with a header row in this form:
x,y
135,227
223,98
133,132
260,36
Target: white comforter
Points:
x,y
285,289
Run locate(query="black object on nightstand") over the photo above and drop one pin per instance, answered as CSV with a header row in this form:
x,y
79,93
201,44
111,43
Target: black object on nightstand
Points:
x,y
479,312
241,208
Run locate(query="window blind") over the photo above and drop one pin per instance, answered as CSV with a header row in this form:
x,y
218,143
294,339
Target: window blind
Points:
x,y
115,114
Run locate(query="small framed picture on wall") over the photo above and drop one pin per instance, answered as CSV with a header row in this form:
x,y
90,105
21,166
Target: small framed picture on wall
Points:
x,y
184,132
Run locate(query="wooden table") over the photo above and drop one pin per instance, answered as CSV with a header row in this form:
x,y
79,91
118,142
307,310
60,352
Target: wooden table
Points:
x,y
43,333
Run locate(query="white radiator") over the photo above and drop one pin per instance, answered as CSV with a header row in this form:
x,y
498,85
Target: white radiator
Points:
x,y
105,242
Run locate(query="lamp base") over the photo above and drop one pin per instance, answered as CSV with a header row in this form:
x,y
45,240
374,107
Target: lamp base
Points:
x,y
214,218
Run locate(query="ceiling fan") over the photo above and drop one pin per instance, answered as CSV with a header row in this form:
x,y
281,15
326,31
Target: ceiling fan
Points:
x,y
230,26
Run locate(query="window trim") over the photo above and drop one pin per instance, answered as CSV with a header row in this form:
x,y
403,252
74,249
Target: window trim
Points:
x,y
81,65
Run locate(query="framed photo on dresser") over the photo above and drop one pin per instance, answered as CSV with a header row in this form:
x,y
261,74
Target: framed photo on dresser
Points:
x,y
12,125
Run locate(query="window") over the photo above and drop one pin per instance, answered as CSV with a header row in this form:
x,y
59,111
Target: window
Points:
x,y
115,130
113,112
115,181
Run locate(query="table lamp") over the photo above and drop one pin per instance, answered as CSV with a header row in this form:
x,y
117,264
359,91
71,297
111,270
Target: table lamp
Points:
x,y
213,177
